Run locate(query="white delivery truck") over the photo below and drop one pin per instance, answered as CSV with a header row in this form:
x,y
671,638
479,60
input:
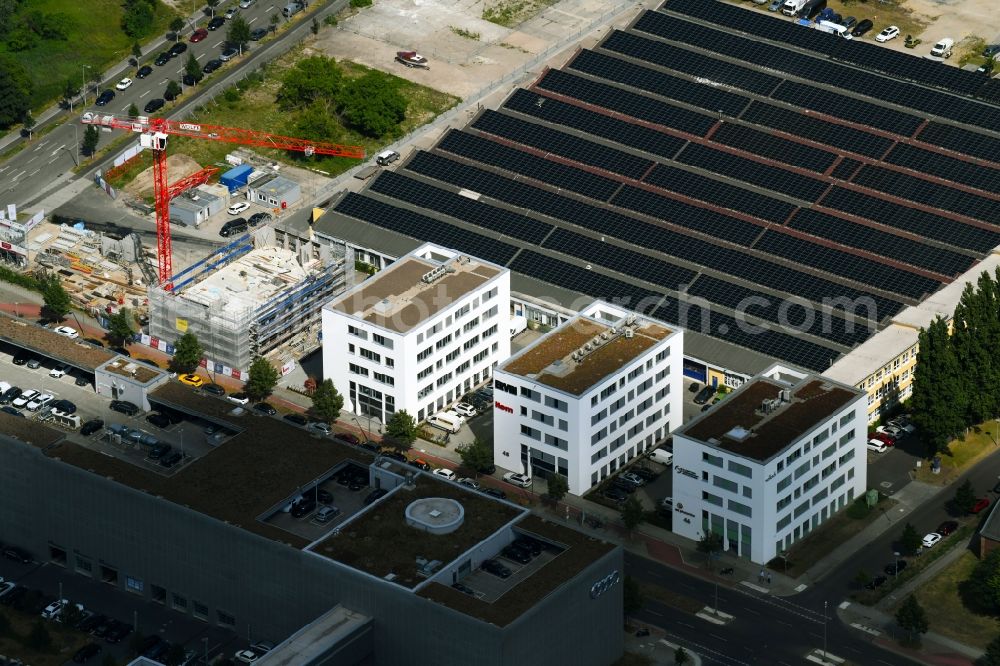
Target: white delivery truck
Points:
x,y
517,325
792,7
662,456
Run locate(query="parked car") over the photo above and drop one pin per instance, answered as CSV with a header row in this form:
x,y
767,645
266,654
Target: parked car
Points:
x,y
86,653
231,12
258,34
213,389
237,226
124,407
516,479
296,418
890,32
386,157
21,357
877,446
930,539
462,587
862,28
7,409
10,394
64,407
171,459
615,494
198,35
633,478
124,84
212,65
980,504
118,631
326,514
947,527
516,554
469,483
154,105
143,72
704,395
160,450
91,426
229,53
375,495
265,408
237,208
21,401
177,49
58,371
105,98
216,23
191,380
258,218
303,507
895,568
349,438
495,568
532,546
445,473
238,398
494,492
876,582
321,427
465,410
158,420
33,364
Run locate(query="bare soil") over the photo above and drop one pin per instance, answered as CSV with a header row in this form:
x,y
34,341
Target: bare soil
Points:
x,y
178,166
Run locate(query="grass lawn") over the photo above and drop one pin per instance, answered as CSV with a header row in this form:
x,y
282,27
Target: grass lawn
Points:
x,y
65,641
828,536
254,107
949,616
962,454
95,38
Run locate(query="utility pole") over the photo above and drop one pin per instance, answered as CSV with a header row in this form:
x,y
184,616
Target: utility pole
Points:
x,y
84,69
824,631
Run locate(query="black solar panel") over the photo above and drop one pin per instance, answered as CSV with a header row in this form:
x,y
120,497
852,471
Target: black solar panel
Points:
x,y
423,228
846,169
949,168
482,150
498,220
881,243
763,175
817,68
598,124
560,143
909,187
848,108
689,62
922,223
847,265
615,257
632,230
626,102
821,131
961,141
773,147
797,316
866,56
719,193
696,94
772,343
698,218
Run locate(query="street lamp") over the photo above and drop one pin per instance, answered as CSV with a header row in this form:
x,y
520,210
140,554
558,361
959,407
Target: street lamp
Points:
x,y
824,631
83,70
205,640
897,563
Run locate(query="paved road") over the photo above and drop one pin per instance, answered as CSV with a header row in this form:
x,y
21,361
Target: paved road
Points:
x,y
48,161
766,629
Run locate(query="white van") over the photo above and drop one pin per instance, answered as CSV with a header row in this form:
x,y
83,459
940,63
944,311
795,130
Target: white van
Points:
x,y
447,420
517,325
943,48
662,456
834,29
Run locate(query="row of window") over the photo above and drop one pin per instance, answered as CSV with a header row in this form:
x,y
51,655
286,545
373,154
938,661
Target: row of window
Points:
x,y
610,389
629,397
620,440
377,338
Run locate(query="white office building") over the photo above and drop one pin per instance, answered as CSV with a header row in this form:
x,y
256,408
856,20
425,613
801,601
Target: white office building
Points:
x,y
769,463
588,397
417,335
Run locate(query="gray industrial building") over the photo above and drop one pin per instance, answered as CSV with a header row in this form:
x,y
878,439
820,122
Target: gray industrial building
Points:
x,y
212,539
274,191
195,206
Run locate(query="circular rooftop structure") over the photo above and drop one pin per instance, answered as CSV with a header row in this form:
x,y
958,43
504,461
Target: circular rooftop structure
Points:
x,y
437,515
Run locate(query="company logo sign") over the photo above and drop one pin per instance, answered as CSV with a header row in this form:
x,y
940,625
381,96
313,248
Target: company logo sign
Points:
x,y
605,584
500,405
189,126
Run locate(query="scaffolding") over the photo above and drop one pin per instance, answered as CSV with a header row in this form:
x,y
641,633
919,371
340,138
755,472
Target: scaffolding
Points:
x,y
247,299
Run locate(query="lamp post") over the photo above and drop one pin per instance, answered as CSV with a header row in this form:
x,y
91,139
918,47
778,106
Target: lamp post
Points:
x,y
83,70
824,631
205,640
355,419
896,554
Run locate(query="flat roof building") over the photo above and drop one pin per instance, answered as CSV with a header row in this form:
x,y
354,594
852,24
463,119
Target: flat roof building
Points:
x,y
770,462
588,397
417,335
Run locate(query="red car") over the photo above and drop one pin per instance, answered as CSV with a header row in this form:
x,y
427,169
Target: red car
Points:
x,y
199,35
947,527
980,504
882,437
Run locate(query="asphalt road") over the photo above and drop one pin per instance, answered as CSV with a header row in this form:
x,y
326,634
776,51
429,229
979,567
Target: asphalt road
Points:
x,y
766,629
48,160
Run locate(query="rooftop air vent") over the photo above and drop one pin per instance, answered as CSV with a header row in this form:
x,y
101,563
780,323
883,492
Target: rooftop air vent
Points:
x,y
629,333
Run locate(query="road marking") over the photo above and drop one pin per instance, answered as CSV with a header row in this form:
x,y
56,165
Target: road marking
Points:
x,y
250,22
750,610
719,638
58,149
787,624
181,70
53,159
653,612
18,176
198,57
269,8
165,81
220,44
144,94
33,173
5,168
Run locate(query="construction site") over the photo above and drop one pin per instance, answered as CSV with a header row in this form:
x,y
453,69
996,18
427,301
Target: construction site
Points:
x,y
250,298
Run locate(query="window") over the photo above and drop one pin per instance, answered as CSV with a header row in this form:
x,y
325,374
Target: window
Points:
x,y
426,371
462,311
492,330
471,324
424,354
370,355
133,584
721,482
490,294
531,395
357,369
179,602
784,483
783,504
740,469
200,610
452,355
531,432
84,565
443,342
556,403
544,418
225,619
711,499
382,340
739,508
783,523
357,332
470,343
385,379
492,312
557,442
712,460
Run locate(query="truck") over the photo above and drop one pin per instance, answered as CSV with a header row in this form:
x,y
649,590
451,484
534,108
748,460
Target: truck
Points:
x,y
792,7
517,324
811,8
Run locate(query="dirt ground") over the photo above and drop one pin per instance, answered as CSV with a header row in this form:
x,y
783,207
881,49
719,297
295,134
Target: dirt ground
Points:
x,y
958,19
178,166
460,65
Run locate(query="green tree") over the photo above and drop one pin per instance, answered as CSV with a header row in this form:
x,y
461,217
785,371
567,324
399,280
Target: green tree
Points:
x,y
56,299
70,89
974,324
681,656
632,597
38,639
939,390
120,327
275,19
373,104
912,618
327,402
318,122
710,544
90,138
982,588
137,22
175,27
15,91
137,50
632,513
133,111
70,615
558,486
188,353
402,426
28,122
965,497
193,69
263,379
173,89
239,33
910,541
992,655
314,27
212,4
862,578
475,455
312,79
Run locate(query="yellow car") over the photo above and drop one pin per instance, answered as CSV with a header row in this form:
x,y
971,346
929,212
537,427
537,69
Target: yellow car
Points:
x,y
191,380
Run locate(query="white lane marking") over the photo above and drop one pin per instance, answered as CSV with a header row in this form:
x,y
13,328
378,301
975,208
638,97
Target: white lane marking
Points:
x,y
250,22
144,94
53,159
18,176
220,44
58,149
33,173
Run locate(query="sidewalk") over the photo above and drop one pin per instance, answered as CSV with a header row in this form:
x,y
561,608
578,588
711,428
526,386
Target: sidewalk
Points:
x,y
935,648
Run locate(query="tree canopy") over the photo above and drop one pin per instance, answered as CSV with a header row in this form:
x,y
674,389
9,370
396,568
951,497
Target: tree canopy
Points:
x,y
137,21
632,513
187,354
263,378
912,618
15,91
120,327
475,455
402,426
982,588
90,138
965,497
312,79
193,69
238,34
558,486
910,541
56,299
373,104
992,655
327,402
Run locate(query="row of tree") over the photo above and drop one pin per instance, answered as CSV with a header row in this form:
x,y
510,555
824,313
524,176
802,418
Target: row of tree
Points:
x,y
956,382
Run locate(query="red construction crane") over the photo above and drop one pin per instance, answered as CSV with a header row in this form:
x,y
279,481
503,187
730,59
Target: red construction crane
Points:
x,y
153,135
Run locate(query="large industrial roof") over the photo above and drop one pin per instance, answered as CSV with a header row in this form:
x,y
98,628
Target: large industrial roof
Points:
x,y
725,171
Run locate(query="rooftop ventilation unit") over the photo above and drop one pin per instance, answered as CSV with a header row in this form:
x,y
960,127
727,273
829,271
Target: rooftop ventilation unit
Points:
x,y
630,320
785,395
629,333
432,275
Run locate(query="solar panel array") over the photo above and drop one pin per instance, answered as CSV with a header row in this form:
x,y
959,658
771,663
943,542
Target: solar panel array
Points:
x,y
678,161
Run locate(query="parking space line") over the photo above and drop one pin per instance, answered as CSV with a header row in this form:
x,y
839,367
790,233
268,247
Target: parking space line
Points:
x,y
250,22
220,44
144,94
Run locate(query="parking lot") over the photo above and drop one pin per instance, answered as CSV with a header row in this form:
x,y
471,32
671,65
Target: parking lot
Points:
x,y
343,493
